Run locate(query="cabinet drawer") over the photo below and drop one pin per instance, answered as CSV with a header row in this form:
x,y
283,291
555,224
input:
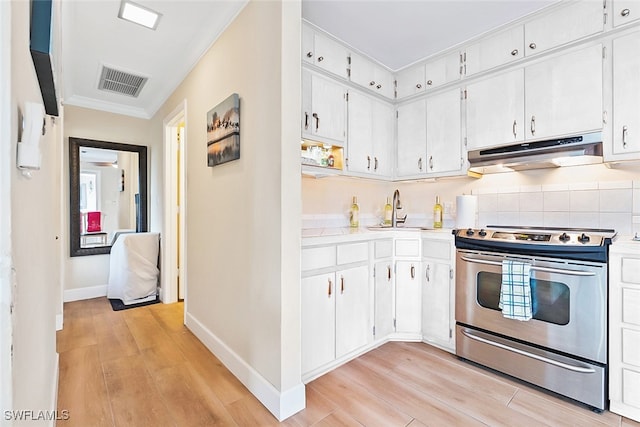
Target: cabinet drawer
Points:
x,y
631,347
631,306
354,252
436,249
407,247
631,270
383,248
314,258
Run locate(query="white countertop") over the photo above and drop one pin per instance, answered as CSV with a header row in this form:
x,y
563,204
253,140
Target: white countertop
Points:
x,y
315,236
625,243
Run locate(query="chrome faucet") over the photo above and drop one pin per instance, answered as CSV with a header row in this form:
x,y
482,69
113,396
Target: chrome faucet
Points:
x,y
397,205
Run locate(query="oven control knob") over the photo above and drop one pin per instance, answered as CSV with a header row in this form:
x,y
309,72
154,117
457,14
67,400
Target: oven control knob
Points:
x,y
564,237
583,238
482,232
470,232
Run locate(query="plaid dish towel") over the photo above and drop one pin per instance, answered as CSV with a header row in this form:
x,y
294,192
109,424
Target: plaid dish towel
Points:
x,y
515,292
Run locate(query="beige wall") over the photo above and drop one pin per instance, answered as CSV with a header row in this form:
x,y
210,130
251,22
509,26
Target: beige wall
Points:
x,y
93,271
36,249
243,228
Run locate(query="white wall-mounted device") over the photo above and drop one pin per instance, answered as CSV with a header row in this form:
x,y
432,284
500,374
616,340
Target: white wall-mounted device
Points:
x,y
32,129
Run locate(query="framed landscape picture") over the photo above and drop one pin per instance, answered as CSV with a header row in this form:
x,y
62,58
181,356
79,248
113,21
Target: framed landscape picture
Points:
x,y
223,132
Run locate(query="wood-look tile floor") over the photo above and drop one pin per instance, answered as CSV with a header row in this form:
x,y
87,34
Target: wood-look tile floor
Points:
x,y
142,367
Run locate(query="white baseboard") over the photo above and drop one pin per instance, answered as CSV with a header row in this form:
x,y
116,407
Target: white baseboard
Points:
x,y
78,294
281,404
59,322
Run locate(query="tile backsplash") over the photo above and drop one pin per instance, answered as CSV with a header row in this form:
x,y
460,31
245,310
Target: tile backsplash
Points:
x,y
607,204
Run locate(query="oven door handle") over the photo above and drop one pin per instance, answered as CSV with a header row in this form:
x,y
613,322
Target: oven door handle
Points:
x,y
533,267
557,363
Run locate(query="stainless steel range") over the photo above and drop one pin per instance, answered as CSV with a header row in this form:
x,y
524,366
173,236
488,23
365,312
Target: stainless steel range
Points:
x,y
561,343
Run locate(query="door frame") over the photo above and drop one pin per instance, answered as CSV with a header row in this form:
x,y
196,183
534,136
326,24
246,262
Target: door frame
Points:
x,y
174,234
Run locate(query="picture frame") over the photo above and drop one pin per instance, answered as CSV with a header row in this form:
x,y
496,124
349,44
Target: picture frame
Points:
x,y
223,132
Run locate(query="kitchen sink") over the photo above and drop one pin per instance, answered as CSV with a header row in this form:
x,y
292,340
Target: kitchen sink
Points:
x,y
401,228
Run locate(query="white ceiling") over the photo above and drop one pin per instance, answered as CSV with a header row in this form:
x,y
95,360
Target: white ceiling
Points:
x,y
394,32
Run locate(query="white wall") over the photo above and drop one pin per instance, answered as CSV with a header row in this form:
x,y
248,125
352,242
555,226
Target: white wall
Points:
x,y
35,243
242,217
87,276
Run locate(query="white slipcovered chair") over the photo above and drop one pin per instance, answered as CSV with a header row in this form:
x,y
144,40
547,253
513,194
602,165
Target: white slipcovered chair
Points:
x,y
133,269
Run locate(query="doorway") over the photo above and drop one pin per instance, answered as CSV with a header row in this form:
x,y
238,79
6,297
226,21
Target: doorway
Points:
x,y
174,282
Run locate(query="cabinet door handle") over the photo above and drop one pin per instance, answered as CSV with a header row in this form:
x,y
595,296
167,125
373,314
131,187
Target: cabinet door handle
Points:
x,y
533,125
420,163
329,289
514,52
427,273
315,116
625,12
515,129
378,86
418,86
320,58
429,82
413,272
306,120
625,131
532,46
368,162
375,163
309,54
341,284
388,273
372,83
431,162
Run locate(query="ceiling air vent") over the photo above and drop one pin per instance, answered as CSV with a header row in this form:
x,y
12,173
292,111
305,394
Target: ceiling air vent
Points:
x,y
117,81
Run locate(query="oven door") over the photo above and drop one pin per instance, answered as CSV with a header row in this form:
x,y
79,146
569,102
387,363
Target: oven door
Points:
x,y
569,302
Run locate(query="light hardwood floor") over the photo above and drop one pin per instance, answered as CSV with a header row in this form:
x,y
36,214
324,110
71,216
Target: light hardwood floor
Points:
x,y
142,367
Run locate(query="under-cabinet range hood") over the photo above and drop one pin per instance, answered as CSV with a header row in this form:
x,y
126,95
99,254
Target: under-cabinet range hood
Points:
x,y
584,149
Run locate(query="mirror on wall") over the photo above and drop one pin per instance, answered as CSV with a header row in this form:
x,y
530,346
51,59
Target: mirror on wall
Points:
x,y
108,193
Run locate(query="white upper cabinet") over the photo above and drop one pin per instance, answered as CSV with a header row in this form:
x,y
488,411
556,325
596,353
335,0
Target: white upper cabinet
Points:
x,y
370,135
372,76
324,109
625,11
626,95
563,95
442,70
410,81
499,49
412,138
563,25
444,137
495,110
323,52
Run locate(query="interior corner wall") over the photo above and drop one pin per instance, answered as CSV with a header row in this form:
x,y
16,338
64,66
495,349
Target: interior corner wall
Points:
x,y
87,276
234,244
35,246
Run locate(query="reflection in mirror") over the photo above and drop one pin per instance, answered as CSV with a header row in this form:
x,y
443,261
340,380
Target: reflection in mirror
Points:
x,y
107,194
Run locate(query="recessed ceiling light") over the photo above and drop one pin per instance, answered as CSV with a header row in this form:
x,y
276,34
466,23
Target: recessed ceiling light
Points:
x,y
140,15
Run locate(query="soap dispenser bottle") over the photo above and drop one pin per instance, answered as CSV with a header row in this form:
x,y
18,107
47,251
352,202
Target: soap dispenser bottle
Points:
x,y
388,213
437,214
354,214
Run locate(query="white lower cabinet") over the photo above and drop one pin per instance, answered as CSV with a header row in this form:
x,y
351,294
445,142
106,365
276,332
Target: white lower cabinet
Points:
x,y
318,321
383,283
336,303
438,293
408,297
353,324
624,329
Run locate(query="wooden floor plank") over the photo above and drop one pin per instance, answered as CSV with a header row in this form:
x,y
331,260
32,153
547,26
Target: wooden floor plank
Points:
x,y
133,394
83,393
338,418
359,402
406,398
318,407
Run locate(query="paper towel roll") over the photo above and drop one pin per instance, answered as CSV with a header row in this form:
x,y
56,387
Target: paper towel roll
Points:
x,y
466,210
